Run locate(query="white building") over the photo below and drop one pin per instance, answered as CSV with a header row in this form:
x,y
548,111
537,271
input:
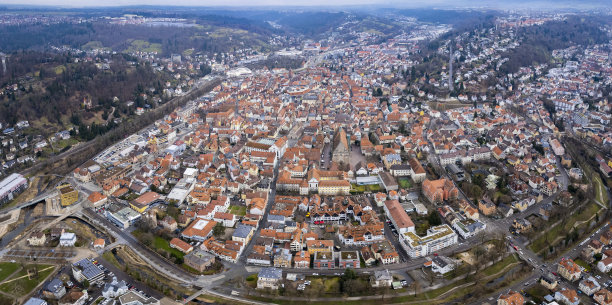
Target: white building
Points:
x,y
67,239
437,238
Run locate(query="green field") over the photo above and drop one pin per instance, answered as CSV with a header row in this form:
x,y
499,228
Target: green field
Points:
x,y
365,188
25,285
7,269
600,191
499,266
237,210
143,46
161,243
582,264
404,183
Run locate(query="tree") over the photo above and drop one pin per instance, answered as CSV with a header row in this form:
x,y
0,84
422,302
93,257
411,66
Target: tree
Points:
x,y
218,230
416,286
85,283
434,218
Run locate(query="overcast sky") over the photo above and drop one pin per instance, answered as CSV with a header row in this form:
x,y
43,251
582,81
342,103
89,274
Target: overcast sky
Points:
x,y
80,3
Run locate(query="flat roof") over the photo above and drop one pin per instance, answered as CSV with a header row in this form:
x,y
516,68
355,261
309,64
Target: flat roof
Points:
x,y
10,183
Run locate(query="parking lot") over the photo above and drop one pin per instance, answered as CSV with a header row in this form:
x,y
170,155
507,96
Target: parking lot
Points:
x,y
41,254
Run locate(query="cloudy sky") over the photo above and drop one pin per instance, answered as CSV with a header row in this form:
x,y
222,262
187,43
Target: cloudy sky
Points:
x,y
79,3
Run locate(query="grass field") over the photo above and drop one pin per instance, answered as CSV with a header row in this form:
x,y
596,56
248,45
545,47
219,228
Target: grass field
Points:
x,y
365,188
600,191
25,285
237,210
7,269
143,46
582,264
499,266
161,243
404,183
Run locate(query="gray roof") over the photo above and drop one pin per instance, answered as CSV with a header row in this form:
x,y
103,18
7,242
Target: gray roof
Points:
x,y
35,301
89,270
271,273
272,217
242,231
54,285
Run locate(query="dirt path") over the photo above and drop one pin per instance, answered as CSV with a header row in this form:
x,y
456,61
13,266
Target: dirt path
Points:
x,y
24,276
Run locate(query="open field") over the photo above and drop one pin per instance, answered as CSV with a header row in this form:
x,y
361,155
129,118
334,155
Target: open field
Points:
x,y
22,283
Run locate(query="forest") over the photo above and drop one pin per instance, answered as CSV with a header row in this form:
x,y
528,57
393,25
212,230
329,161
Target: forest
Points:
x,y
56,87
538,42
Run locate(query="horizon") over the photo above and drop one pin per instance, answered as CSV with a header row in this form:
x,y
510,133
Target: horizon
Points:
x,y
271,4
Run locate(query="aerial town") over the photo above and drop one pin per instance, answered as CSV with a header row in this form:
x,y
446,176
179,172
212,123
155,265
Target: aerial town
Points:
x,y
351,178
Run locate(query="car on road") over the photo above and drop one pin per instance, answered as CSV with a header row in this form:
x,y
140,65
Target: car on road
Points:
x,y
315,274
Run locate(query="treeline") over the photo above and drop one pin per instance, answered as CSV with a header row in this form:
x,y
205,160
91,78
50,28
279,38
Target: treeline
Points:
x,y
119,37
538,42
311,23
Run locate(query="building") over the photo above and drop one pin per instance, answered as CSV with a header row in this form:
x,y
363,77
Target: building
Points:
x,y
341,152
243,233
388,181
589,286
86,270
486,206
68,194
123,218
35,301
114,289
567,296
168,223
136,298
11,186
141,203
605,265
282,258
97,199
437,238
437,191
603,297
324,260
348,259
301,260
55,289
442,264
37,238
548,281
557,147
511,298
334,187
319,245
181,245
381,278
199,260
67,239
99,243
269,277
569,270
521,225
74,297
199,230
398,216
